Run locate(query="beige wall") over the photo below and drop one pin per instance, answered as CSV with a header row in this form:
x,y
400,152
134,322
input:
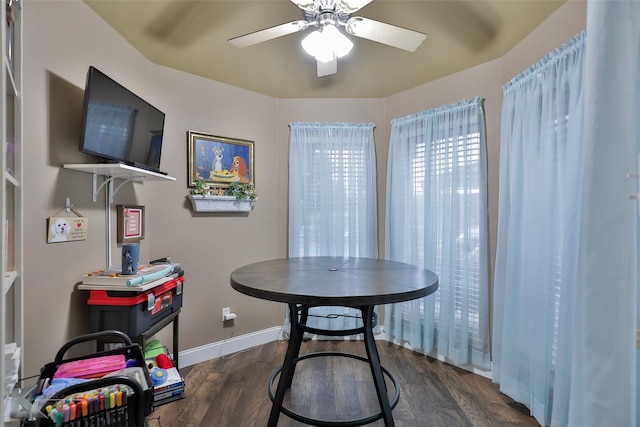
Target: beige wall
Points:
x,y
62,38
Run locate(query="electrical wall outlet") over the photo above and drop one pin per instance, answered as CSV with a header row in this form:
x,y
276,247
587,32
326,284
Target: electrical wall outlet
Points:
x,y
228,315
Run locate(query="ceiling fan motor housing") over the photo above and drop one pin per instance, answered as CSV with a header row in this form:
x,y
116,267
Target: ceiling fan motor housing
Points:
x,y
326,12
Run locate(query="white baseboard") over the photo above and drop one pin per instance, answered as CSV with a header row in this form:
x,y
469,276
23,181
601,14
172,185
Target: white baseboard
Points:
x,y
244,342
235,344
230,345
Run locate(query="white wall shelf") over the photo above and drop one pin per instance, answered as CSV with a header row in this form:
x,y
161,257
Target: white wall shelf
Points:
x,y
201,203
113,171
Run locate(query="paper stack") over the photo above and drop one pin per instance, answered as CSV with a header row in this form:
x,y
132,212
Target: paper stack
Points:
x,y
147,277
172,389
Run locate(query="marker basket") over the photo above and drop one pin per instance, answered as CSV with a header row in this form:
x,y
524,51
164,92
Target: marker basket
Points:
x,y
131,411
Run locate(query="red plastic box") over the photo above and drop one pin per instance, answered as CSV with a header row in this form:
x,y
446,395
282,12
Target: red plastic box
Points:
x,y
134,312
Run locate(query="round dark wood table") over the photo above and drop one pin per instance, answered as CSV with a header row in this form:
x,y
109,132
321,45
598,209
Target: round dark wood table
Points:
x,y
360,283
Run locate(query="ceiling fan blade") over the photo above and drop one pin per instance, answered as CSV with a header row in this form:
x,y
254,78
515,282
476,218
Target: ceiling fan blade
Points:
x,y
352,6
304,4
269,33
381,32
327,68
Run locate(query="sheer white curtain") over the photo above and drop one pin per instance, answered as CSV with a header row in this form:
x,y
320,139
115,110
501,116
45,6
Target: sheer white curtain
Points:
x,y
538,233
332,200
437,218
603,368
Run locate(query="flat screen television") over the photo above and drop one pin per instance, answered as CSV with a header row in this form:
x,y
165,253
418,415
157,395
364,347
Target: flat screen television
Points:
x,y
118,125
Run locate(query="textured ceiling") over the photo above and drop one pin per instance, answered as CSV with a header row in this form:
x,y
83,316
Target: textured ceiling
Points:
x,y
192,36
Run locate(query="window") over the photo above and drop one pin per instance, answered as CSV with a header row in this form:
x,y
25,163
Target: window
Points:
x,y
332,200
439,221
332,194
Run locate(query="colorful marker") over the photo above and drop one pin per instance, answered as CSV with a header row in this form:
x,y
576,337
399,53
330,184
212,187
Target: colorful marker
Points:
x,y
65,412
72,409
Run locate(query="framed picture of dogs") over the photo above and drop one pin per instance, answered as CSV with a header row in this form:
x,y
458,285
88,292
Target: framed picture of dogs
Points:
x,y
218,160
130,226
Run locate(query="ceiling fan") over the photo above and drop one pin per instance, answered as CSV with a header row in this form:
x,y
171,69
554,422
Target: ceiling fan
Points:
x,y
327,43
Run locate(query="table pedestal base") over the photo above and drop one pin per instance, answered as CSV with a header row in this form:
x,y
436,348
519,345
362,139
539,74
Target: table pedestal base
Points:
x,y
298,315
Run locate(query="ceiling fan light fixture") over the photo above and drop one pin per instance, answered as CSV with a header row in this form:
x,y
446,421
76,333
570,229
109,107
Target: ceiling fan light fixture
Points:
x,y
326,44
312,43
340,43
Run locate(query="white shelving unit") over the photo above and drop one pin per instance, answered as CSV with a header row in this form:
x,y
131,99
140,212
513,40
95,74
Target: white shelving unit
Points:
x,y
112,173
11,267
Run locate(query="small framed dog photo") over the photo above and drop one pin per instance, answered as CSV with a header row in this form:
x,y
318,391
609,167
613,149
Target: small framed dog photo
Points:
x,y
67,229
130,227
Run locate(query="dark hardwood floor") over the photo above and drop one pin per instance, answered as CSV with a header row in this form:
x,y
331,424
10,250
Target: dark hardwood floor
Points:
x,y
232,391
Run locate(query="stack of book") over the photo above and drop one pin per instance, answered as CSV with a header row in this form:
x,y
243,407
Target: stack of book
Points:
x,y
172,389
11,367
147,277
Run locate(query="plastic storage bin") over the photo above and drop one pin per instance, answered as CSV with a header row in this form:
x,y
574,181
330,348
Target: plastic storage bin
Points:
x,y
134,312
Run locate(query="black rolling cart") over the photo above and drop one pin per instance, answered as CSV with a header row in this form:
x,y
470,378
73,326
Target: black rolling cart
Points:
x,y
138,311
114,401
